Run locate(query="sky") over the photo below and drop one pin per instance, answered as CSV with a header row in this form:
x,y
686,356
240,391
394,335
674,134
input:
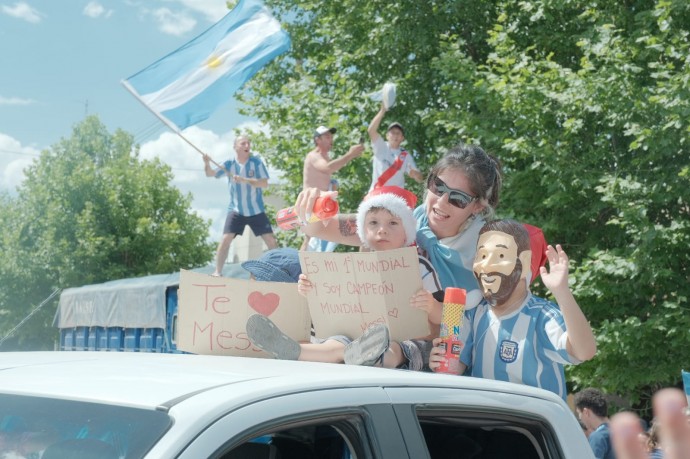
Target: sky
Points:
x,y
61,61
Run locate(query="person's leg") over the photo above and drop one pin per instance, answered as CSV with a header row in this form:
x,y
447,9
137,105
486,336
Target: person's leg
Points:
x,y
330,351
265,335
222,252
399,354
270,240
234,225
261,226
414,354
393,357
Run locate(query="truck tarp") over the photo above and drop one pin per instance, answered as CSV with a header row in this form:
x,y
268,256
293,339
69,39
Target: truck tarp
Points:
x,y
129,303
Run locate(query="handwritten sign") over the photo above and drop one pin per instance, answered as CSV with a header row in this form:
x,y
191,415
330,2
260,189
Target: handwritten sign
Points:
x,y
213,313
352,291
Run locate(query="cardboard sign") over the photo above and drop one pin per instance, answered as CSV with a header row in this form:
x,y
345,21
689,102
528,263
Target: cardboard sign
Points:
x,y
213,313
355,290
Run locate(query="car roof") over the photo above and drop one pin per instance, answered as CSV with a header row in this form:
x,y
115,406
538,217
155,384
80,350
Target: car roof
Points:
x,y
151,380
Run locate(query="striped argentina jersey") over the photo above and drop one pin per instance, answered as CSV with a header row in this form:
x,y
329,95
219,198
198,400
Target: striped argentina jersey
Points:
x,y
245,199
527,346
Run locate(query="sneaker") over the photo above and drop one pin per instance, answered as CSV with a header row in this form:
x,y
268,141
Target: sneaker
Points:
x,y
369,348
264,334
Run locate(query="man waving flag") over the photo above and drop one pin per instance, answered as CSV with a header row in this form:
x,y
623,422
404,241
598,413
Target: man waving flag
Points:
x,y
187,85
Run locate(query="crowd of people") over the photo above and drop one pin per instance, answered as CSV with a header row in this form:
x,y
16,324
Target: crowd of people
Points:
x,y
626,436
508,333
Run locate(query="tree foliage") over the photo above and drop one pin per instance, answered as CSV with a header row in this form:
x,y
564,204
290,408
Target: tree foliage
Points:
x,y
90,210
585,103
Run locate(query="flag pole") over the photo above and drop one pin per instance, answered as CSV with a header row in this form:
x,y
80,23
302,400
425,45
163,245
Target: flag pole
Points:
x,y
170,125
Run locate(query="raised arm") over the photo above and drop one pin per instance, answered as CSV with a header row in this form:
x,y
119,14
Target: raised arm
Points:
x,y
581,343
373,129
341,229
338,163
417,175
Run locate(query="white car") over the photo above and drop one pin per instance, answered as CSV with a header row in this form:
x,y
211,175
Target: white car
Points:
x,y
141,405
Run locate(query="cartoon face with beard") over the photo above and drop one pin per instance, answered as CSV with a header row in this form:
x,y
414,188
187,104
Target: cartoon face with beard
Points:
x,y
497,266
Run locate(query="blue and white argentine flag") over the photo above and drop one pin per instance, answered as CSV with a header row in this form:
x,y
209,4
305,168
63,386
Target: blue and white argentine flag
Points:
x,y
187,85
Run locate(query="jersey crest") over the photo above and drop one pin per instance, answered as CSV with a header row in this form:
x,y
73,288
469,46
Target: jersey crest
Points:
x,y
508,351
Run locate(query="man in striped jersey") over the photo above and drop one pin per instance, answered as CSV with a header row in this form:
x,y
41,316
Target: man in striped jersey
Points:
x,y
247,175
512,335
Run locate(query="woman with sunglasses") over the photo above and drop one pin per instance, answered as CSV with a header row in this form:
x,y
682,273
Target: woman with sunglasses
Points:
x,y
462,188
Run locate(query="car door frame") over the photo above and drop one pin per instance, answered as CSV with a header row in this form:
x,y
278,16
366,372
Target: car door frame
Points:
x,y
368,408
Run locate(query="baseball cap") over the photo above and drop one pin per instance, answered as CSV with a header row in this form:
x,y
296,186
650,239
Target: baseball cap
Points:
x,y
322,130
277,265
395,124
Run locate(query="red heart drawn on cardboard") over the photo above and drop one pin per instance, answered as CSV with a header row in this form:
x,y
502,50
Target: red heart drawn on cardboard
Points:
x,y
263,304
393,312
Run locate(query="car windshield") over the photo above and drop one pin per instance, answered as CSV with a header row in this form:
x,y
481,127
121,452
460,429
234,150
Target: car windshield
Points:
x,y
32,427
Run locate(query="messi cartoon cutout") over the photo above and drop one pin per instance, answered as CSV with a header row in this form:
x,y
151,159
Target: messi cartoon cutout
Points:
x,y
502,261
515,336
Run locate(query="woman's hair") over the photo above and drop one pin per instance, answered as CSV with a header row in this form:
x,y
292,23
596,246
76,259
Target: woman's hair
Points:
x,y
653,436
482,170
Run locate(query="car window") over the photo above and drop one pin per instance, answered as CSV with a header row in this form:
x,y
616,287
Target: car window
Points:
x,y
32,427
486,435
325,440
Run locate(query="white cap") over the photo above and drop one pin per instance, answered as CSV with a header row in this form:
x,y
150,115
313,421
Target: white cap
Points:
x,y
388,95
396,206
322,130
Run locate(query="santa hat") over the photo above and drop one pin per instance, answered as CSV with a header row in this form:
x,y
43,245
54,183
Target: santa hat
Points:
x,y
409,197
396,206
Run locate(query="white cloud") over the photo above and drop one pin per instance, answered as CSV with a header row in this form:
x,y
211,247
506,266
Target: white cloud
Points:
x,y
173,23
96,10
22,10
178,16
213,10
15,101
14,158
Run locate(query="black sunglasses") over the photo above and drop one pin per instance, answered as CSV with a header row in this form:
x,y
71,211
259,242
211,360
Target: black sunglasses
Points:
x,y
457,198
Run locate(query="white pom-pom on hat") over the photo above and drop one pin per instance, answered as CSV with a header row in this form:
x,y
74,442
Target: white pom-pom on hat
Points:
x,y
396,206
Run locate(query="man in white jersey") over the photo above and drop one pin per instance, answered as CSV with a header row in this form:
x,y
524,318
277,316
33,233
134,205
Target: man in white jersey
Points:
x,y
391,162
247,175
512,335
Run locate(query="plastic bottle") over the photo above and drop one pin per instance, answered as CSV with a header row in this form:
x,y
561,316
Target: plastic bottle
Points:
x,y
451,320
325,207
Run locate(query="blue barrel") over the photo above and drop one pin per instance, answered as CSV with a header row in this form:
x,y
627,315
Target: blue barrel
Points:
x,y
132,339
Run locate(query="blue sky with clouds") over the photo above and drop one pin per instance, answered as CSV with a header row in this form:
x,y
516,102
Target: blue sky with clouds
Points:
x,y
63,60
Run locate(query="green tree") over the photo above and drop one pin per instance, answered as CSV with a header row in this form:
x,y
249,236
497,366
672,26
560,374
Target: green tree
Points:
x,y
585,103
90,210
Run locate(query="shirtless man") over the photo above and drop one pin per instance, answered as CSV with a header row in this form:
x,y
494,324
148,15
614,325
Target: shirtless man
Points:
x,y
319,167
